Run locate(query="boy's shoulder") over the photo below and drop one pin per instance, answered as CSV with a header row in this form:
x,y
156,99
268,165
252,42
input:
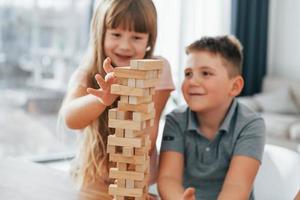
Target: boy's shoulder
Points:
x,y
246,114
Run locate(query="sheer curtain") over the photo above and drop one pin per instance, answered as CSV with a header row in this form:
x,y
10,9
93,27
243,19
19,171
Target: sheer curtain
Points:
x,y
182,22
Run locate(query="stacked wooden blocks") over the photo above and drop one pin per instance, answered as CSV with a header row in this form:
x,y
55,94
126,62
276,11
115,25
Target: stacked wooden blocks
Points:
x,y
129,146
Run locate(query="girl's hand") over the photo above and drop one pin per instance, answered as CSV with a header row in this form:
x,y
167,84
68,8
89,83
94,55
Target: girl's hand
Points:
x,y
103,93
189,194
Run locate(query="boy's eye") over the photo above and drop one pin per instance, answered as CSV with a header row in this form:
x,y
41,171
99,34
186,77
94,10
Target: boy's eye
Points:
x,y
205,73
188,74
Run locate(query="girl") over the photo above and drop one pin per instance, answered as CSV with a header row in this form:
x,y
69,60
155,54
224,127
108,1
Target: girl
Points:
x,y
120,31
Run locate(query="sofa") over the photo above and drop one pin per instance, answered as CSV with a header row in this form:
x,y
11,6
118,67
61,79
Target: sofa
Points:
x,y
279,105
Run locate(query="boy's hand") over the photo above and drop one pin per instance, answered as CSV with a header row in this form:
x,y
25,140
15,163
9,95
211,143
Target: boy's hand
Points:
x,y
103,93
189,194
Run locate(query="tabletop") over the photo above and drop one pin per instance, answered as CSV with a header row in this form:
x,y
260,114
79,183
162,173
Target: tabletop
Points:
x,y
24,180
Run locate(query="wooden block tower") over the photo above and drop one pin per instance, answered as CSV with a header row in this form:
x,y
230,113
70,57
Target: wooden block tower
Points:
x,y
129,146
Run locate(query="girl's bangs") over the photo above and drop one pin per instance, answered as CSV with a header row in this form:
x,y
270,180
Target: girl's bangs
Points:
x,y
131,19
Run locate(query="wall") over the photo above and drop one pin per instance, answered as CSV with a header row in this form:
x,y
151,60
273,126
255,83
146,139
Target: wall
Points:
x,y
284,39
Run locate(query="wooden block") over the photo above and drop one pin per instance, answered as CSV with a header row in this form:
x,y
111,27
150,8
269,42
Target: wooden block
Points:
x,y
111,149
115,173
128,72
122,81
128,151
145,107
129,91
139,100
130,192
146,83
129,183
147,64
128,124
112,113
152,91
121,182
130,160
127,142
119,132
131,82
132,134
124,99
143,183
122,166
139,116
124,115
119,197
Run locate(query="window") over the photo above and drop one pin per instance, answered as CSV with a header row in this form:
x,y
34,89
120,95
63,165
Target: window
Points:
x,y
40,45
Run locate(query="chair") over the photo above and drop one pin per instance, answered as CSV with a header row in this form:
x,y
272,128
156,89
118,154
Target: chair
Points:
x,y
279,175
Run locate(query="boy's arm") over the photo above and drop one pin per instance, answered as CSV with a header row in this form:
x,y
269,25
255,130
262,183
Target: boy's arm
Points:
x,y
239,179
170,175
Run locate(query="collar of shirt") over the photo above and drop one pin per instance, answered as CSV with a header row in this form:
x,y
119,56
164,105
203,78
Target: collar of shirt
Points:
x,y
193,122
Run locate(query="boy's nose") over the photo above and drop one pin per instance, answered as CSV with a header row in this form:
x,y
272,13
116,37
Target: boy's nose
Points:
x,y
195,81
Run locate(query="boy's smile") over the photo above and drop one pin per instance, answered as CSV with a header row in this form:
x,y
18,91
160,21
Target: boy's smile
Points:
x,y
206,85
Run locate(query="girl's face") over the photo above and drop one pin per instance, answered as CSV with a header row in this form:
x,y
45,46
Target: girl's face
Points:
x,y
123,45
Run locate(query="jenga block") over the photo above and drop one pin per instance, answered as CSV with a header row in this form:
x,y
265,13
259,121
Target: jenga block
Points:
x,y
130,192
115,173
147,64
128,72
129,183
111,149
131,82
119,132
124,99
146,83
121,183
145,107
127,142
139,116
130,160
132,133
142,167
128,124
122,81
122,166
112,113
128,151
130,91
124,115
119,197
143,183
139,100
152,91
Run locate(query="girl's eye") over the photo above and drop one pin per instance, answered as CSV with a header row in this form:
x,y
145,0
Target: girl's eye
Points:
x,y
116,34
137,37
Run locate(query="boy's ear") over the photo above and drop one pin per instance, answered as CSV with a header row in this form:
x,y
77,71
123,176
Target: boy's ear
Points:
x,y
237,86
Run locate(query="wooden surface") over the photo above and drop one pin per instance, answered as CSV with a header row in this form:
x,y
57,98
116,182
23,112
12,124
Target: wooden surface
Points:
x,y
23,180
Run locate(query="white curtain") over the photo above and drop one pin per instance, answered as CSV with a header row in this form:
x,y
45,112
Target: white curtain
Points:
x,y
181,22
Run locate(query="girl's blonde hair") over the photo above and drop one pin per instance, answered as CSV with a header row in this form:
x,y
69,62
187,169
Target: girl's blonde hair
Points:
x,y
136,15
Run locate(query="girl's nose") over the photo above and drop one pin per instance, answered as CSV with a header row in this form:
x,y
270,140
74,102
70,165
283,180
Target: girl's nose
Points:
x,y
125,44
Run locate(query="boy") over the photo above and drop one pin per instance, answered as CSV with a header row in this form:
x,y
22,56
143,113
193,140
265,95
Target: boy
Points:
x,y
211,149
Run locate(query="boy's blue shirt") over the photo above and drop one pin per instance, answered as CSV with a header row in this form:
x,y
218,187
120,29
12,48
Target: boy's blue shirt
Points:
x,y
206,162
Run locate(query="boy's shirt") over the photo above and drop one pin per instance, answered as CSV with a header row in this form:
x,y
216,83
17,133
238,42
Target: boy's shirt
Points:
x,y
206,162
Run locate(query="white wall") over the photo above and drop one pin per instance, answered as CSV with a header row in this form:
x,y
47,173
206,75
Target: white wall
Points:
x,y
284,39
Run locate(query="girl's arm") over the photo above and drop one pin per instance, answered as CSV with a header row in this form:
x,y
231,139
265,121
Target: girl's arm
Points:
x,y
239,179
83,105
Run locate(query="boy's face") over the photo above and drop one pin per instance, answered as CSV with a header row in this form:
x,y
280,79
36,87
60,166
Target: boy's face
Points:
x,y
206,85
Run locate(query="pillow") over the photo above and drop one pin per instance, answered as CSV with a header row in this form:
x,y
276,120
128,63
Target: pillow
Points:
x,y
277,101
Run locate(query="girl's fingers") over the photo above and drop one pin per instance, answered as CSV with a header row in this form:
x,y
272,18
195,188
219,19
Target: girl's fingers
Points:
x,y
94,92
107,65
101,82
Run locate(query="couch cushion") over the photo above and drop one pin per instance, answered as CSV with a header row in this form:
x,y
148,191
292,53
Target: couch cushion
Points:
x,y
277,101
295,86
278,125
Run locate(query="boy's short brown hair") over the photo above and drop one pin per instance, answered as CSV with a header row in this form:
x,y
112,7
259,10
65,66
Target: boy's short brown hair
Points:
x,y
228,47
